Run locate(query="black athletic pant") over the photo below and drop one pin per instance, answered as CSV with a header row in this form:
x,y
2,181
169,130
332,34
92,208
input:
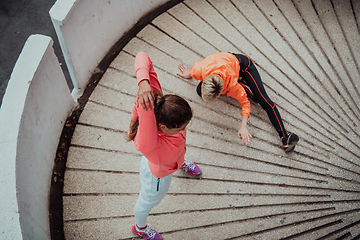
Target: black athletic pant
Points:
x,y
249,73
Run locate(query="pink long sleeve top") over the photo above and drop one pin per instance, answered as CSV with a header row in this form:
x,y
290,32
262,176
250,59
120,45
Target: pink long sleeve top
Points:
x,y
165,153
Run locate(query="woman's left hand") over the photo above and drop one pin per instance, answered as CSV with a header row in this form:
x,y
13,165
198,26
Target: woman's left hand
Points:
x,y
245,135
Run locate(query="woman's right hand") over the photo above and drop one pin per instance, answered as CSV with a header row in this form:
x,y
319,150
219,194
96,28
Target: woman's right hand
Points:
x,y
185,71
244,134
145,95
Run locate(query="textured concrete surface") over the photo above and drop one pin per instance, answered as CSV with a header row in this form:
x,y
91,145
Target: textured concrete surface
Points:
x,y
307,53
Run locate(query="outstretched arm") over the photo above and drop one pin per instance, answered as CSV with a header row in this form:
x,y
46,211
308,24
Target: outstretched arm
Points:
x,y
243,132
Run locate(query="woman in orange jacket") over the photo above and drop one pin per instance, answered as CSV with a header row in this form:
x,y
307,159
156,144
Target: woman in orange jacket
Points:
x,y
236,76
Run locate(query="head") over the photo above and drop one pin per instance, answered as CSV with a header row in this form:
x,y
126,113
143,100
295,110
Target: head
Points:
x,y
212,87
172,113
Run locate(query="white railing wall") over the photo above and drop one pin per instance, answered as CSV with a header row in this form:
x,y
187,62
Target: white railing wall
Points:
x,y
35,106
88,28
37,102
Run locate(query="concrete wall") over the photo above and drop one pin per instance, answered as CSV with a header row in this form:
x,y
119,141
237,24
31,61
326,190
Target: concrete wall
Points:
x,y
88,28
35,106
37,102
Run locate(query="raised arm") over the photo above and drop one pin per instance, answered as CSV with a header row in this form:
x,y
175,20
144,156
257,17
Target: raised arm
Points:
x,y
146,137
147,81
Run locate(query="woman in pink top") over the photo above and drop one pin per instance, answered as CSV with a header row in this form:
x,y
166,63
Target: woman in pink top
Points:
x,y
158,129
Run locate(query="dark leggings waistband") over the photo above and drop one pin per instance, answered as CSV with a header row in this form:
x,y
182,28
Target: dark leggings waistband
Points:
x,y
244,61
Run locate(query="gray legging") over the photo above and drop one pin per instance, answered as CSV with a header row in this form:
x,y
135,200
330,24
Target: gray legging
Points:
x,y
153,190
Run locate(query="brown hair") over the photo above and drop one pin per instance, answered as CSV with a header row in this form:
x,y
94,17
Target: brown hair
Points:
x,y
171,110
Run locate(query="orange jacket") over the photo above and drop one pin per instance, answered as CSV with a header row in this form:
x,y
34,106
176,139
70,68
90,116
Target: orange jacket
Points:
x,y
227,66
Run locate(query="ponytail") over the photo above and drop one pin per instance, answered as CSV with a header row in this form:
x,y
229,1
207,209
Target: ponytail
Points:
x,y
133,130
171,110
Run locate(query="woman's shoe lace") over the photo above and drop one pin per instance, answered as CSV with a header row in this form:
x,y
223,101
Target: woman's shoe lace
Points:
x,y
189,165
150,232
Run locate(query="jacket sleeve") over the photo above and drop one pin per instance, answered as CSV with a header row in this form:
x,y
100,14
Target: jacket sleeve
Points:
x,y
142,67
196,71
144,70
238,92
146,138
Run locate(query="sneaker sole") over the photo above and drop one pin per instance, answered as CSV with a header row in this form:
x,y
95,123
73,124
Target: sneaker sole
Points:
x,y
193,174
291,147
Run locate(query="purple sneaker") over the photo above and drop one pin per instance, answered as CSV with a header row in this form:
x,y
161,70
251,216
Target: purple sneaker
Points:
x,y
148,234
191,168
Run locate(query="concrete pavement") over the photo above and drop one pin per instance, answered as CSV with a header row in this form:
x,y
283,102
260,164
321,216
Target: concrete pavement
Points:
x,y
18,20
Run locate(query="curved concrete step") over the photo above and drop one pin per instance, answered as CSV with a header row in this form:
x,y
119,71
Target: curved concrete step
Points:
x,y
308,54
